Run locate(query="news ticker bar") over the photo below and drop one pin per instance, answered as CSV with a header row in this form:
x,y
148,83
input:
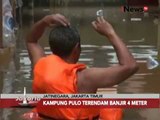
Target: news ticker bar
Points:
x,y
80,100
139,96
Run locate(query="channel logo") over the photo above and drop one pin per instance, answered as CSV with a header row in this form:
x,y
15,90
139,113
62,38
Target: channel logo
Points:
x,y
26,101
127,8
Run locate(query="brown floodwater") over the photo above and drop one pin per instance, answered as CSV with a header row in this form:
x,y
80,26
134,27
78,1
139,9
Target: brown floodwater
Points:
x,y
142,38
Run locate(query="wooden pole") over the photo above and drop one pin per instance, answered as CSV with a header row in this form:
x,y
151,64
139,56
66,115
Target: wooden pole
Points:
x,y
32,12
1,37
158,45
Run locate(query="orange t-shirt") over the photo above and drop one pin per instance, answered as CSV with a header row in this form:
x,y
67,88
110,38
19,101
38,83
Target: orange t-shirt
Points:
x,y
54,75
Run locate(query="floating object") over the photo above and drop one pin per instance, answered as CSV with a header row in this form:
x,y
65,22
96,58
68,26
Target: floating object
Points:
x,y
152,63
136,19
99,13
9,23
137,40
124,20
46,10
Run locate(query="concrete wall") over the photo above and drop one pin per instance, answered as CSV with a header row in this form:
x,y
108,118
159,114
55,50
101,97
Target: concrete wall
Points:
x,y
0,23
158,46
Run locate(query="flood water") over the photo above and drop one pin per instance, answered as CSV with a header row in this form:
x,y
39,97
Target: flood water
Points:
x,y
141,38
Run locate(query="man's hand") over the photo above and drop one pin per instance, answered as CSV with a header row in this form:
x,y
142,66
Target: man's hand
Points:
x,y
103,27
91,79
55,20
34,49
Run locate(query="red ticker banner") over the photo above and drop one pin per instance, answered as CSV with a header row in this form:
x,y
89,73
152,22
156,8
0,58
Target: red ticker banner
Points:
x,y
100,103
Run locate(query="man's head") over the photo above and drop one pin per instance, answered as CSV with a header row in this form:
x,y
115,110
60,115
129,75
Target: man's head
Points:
x,y
65,42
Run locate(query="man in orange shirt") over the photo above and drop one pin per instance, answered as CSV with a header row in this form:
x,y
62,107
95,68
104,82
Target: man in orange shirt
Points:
x,y
60,72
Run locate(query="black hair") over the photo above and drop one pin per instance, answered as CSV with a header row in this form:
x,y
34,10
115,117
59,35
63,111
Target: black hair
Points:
x,y
62,40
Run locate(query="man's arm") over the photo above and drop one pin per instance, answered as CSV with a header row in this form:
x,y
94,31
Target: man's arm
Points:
x,y
93,78
34,49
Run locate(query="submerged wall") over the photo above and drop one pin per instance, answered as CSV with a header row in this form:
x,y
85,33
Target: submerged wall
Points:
x,y
0,23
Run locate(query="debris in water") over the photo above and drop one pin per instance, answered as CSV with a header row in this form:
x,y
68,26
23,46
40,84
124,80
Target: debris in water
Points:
x,y
152,63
